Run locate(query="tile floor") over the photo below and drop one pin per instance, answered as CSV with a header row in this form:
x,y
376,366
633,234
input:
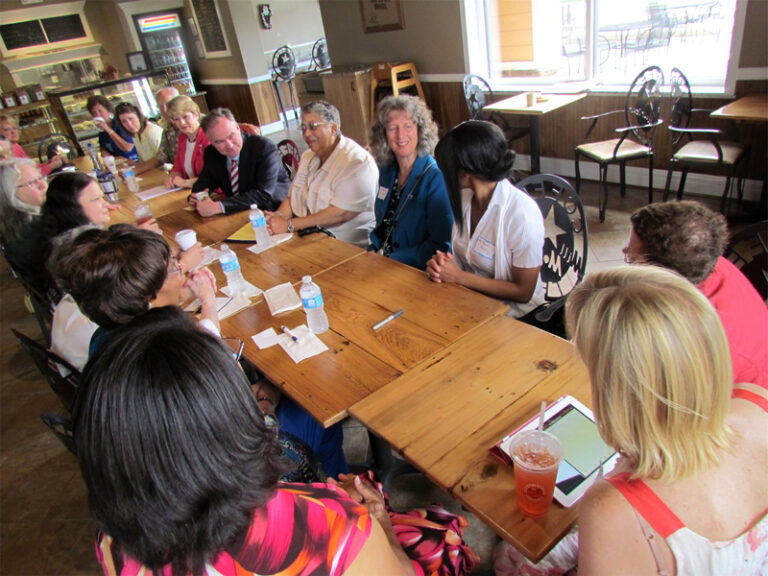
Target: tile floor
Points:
x,y
44,521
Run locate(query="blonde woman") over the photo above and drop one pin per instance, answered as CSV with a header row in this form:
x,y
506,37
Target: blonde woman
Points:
x,y
185,115
688,496
9,127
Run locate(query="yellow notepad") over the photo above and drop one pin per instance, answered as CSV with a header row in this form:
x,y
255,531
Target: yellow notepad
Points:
x,y
244,234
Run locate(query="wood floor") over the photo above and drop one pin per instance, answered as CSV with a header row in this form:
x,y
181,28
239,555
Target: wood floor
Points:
x,y
45,526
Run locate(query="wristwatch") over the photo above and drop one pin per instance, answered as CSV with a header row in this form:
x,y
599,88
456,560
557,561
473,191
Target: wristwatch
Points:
x,y
290,226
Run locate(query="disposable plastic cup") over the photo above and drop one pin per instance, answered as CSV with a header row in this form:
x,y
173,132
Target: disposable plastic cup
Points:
x,y
186,239
143,212
536,456
109,162
531,96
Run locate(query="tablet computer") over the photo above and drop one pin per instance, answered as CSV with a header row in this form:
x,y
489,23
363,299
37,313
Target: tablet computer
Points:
x,y
584,452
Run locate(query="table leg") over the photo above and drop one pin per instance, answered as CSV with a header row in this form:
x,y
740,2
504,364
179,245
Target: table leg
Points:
x,y
535,146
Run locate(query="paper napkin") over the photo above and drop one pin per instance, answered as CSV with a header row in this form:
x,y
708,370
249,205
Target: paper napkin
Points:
x,y
282,298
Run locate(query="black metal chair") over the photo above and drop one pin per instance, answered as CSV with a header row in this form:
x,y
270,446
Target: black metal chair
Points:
x,y
748,250
566,245
708,153
42,308
642,113
61,428
60,374
478,93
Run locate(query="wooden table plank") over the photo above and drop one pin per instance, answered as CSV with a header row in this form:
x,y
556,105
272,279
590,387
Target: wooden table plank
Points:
x,y
209,230
752,108
445,413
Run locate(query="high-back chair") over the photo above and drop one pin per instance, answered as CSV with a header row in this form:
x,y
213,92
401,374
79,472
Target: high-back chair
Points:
x,y
566,243
706,153
478,93
60,374
641,111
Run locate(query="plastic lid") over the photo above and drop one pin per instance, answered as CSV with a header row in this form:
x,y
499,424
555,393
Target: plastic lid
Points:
x,y
254,206
306,279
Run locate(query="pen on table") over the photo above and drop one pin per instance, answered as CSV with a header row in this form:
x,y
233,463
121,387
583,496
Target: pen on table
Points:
x,y
388,319
286,330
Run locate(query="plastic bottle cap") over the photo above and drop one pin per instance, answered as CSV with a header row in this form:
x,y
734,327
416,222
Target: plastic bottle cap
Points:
x,y
224,247
306,279
254,206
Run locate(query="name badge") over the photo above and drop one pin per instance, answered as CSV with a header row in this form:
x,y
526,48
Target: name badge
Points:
x,y
485,249
383,192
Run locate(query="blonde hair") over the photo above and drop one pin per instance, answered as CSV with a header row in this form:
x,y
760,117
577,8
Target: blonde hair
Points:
x,y
660,369
11,119
181,105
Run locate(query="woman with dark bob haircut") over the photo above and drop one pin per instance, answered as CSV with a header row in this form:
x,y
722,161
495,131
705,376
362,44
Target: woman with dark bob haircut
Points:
x,y
413,213
182,473
498,231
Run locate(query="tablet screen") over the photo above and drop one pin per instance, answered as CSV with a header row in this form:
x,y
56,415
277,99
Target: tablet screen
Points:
x,y
583,448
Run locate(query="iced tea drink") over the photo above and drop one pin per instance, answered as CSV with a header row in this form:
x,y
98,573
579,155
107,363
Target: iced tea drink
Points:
x,y
536,456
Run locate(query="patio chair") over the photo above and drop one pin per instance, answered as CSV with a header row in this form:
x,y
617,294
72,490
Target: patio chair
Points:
x,y
707,153
53,367
565,246
478,93
642,114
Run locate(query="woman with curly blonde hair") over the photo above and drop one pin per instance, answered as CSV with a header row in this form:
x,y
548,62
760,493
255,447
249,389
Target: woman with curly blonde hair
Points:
x,y
413,212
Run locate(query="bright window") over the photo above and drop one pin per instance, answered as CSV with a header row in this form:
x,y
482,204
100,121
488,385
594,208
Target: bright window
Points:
x,y
603,42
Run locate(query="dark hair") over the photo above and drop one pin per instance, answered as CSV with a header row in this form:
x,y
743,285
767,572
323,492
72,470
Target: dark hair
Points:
x,y
214,116
128,108
99,99
171,443
60,213
686,237
113,274
478,148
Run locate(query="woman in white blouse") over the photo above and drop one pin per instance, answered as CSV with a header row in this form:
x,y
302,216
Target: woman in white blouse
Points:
x,y
335,185
498,230
146,135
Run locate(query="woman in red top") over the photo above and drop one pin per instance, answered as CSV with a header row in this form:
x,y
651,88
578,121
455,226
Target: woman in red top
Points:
x,y
9,127
188,164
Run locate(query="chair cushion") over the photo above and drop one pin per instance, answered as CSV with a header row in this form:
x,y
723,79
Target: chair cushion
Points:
x,y
704,152
603,151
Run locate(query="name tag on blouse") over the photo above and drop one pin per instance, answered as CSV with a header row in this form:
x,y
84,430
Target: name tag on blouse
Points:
x,y
485,249
383,192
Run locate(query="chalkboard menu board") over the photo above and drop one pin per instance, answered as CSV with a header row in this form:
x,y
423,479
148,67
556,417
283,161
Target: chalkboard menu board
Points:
x,y
63,28
22,34
209,23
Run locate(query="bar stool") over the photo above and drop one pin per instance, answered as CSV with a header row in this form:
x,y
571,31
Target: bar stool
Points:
x,y
396,76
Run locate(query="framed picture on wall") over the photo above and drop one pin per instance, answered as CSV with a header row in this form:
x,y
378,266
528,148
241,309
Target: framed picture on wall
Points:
x,y
136,62
381,15
209,25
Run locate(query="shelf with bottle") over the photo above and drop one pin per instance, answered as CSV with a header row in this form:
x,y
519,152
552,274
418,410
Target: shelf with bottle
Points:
x,y
174,47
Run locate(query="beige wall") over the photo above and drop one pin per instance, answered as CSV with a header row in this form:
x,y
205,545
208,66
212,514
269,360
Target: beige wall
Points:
x,y
432,37
221,68
754,50
293,22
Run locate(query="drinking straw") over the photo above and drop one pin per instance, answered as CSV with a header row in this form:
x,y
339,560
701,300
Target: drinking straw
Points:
x,y
541,415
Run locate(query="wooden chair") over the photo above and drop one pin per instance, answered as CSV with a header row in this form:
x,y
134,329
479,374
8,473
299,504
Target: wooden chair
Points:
x,y
642,113
748,250
566,245
60,374
478,93
61,428
395,77
708,153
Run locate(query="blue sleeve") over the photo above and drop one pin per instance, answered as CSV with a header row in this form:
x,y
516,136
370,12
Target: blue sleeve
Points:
x,y
438,221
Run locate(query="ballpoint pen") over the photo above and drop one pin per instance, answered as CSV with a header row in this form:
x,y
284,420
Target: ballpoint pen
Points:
x,y
286,330
388,319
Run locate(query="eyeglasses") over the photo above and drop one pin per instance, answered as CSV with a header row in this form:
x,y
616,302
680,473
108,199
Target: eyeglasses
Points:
x,y
312,126
34,182
173,266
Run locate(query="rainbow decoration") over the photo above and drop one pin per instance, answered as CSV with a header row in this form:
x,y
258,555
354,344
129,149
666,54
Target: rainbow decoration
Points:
x,y
163,22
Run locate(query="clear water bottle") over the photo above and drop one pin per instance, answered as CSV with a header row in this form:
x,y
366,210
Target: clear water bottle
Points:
x,y
130,179
259,227
312,299
231,267
95,157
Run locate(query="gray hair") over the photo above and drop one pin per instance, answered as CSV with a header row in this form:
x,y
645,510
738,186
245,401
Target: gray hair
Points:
x,y
422,117
213,117
14,214
327,111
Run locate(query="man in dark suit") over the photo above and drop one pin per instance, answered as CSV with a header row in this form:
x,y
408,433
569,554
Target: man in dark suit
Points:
x,y
244,168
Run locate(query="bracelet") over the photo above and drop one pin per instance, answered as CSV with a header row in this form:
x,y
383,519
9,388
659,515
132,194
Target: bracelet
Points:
x,y
290,226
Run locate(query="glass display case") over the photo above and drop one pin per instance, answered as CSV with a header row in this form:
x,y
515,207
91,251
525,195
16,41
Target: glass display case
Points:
x,y
69,104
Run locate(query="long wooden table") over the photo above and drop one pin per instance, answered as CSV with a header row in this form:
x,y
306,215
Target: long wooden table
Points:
x,y
359,290
446,412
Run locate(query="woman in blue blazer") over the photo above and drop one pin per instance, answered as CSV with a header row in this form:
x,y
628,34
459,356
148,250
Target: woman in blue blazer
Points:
x,y
413,212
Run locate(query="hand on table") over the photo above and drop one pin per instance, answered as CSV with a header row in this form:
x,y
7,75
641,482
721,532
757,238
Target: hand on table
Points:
x,y
191,258
55,163
442,268
174,180
207,207
276,222
150,225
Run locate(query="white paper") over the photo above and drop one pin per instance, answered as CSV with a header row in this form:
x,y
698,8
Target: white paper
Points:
x,y
235,305
155,192
276,239
251,291
282,298
266,338
308,345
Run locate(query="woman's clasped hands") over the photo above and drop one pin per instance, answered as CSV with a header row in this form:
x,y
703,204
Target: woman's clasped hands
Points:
x,y
442,268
